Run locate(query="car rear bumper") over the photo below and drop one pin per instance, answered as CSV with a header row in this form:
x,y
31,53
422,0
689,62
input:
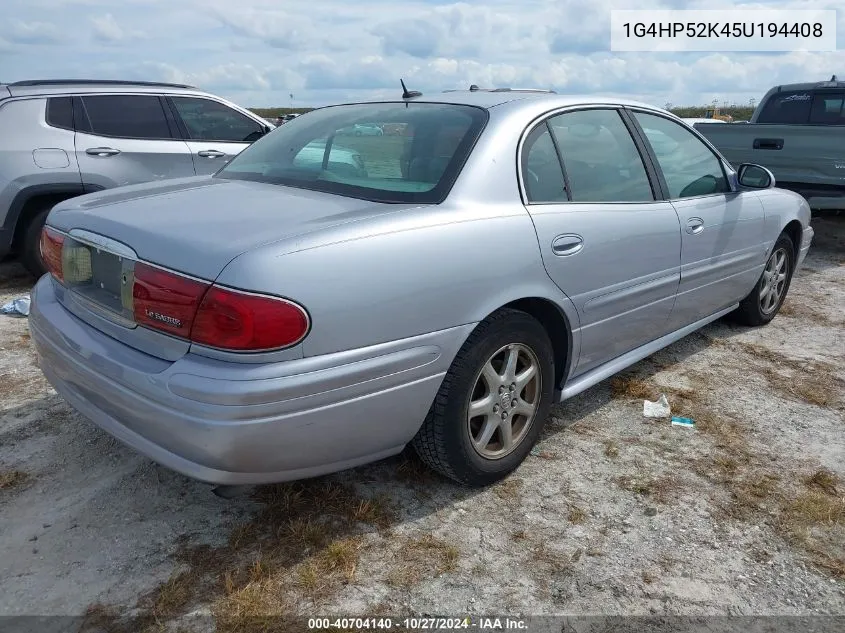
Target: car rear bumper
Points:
x,y
806,241
269,422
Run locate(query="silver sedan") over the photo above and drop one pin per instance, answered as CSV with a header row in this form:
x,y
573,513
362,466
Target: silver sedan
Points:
x,y
291,315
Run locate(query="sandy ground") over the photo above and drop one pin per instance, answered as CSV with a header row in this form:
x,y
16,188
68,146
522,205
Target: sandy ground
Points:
x,y
612,514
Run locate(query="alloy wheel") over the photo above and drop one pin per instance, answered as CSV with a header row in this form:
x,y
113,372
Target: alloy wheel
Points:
x,y
504,401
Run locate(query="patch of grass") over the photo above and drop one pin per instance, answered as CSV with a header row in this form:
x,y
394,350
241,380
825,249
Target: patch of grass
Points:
x,y
167,599
302,545
577,515
824,480
648,577
611,449
508,489
632,388
12,479
412,470
810,381
422,559
792,308
662,489
519,535
14,384
557,561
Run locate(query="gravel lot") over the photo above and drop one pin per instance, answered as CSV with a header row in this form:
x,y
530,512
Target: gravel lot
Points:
x,y
613,514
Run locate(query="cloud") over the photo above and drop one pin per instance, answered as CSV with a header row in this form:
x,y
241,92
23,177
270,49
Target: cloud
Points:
x,y
106,28
417,38
33,33
257,52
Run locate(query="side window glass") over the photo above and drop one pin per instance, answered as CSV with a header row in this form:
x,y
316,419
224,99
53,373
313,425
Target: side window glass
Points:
x,y
209,120
828,109
60,112
601,160
787,107
127,116
689,167
541,171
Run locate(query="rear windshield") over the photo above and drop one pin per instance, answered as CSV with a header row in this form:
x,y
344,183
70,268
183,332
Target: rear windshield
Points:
x,y
385,152
787,108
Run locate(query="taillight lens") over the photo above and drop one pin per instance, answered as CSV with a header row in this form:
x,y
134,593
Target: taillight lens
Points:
x,y
242,321
214,316
166,301
51,251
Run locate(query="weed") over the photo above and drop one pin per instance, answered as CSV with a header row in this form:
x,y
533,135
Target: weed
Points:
x,y
577,515
12,479
423,558
611,449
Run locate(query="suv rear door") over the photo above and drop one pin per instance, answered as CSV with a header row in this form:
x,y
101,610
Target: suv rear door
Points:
x,y
124,139
214,132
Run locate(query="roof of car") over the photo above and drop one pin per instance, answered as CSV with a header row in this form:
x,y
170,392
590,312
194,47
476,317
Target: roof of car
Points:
x,y
60,86
497,97
833,82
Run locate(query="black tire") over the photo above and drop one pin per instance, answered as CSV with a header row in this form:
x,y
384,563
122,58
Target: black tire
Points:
x,y
750,311
30,253
444,442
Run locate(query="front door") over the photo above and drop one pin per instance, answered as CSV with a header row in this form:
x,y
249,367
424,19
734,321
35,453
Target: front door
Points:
x,y
722,243
125,140
215,133
605,238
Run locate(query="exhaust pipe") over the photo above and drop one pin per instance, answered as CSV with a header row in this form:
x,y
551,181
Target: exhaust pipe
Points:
x,y
230,492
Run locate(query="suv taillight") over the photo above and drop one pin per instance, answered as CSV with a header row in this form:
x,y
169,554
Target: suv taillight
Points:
x,y
215,316
51,251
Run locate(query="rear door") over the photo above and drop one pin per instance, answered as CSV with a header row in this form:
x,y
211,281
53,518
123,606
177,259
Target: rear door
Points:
x,y
126,139
214,132
606,238
722,243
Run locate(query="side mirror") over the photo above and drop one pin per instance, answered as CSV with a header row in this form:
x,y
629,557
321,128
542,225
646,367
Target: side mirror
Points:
x,y
755,176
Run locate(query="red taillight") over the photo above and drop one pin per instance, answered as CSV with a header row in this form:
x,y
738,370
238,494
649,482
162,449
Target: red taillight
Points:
x,y
214,316
166,301
51,251
241,321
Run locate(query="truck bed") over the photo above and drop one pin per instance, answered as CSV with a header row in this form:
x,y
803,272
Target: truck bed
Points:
x,y
808,159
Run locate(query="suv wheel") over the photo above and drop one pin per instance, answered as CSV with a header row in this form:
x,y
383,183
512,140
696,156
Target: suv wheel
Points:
x,y
31,244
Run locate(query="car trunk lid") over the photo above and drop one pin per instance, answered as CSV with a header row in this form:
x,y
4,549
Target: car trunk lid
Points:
x,y
193,228
197,226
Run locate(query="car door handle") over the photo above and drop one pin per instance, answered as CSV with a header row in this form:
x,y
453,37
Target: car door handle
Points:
x,y
102,151
567,244
768,143
211,153
695,226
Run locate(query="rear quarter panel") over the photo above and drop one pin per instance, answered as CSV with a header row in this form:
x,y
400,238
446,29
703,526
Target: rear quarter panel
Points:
x,y
811,154
421,270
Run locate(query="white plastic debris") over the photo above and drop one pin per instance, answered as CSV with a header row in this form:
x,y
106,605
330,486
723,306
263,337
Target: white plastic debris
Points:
x,y
17,307
659,409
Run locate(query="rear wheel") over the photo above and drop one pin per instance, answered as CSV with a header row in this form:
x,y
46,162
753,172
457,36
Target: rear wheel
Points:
x,y
30,254
493,402
765,300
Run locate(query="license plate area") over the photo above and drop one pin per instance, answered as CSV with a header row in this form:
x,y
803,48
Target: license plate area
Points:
x,y
101,278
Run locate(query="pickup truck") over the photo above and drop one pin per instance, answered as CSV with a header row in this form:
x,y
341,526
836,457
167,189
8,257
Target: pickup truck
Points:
x,y
798,132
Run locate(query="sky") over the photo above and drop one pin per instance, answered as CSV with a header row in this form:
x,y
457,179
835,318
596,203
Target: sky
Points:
x,y
259,52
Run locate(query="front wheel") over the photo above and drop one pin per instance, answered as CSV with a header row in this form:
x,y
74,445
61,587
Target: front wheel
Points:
x,y
493,402
765,300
